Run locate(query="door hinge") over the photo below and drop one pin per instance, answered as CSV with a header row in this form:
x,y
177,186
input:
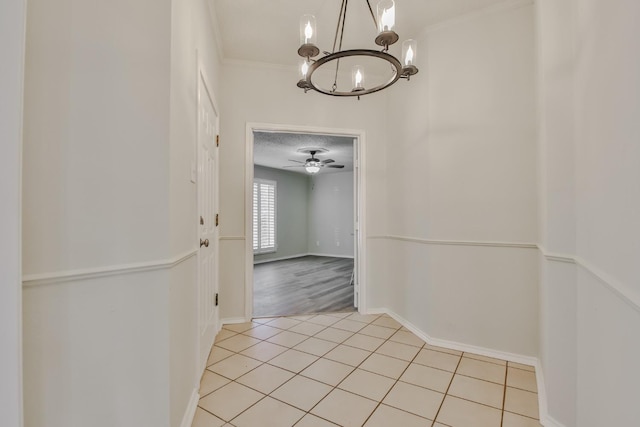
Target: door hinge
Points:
x,y
217,140
217,220
216,300
201,220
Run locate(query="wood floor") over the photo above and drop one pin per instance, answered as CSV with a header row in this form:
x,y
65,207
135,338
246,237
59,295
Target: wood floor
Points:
x,y
305,285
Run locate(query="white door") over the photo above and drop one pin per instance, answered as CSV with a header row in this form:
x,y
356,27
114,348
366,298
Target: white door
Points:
x,y
207,184
356,219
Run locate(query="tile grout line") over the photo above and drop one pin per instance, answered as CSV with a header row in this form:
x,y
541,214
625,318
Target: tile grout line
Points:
x,y
504,395
262,363
295,374
397,380
266,363
446,393
353,369
340,382
371,353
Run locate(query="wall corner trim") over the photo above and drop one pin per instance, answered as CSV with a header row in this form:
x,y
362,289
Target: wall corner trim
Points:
x,y
190,411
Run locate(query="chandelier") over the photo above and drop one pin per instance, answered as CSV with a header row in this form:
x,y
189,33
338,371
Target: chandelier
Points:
x,y
384,22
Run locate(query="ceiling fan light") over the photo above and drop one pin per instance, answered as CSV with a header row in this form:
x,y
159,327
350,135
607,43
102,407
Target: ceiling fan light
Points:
x,y
312,169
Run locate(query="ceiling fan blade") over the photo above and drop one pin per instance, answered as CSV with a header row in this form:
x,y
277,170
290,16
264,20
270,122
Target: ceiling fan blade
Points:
x,y
335,166
294,166
297,161
328,161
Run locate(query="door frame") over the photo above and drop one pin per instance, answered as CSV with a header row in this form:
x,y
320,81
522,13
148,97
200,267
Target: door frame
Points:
x,y
359,195
203,85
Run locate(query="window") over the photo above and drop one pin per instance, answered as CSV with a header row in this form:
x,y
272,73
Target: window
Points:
x,y
264,216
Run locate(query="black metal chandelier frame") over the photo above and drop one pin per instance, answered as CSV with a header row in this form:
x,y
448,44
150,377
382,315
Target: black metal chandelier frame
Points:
x,y
384,39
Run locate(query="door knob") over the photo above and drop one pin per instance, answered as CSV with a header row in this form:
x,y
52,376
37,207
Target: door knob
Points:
x,y
204,243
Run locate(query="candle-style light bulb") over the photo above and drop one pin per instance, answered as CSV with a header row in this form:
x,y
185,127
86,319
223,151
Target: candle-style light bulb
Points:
x,y
409,57
388,18
386,15
357,77
408,60
308,48
308,32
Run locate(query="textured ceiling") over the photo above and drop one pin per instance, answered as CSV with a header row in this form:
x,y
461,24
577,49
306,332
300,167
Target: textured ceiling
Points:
x,y
274,149
267,30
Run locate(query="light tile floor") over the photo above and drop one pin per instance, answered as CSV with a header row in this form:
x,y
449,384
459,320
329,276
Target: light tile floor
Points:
x,y
348,369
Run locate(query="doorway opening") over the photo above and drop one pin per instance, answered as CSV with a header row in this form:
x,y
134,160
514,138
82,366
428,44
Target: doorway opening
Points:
x,y
304,196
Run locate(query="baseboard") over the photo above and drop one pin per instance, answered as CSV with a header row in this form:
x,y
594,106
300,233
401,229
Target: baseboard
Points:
x,y
454,345
190,412
331,255
232,320
548,421
262,261
545,419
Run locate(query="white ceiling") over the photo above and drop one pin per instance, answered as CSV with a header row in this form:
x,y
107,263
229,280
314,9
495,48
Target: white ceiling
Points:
x,y
274,149
267,30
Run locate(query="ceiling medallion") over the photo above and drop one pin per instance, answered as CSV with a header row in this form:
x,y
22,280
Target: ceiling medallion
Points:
x,y
384,21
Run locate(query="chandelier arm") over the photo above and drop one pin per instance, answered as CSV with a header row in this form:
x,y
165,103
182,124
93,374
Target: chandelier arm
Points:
x,y
373,16
343,18
340,18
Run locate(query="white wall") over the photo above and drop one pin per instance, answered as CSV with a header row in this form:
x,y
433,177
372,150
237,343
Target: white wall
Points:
x,y
97,107
274,98
96,198
96,352
607,211
109,210
462,184
331,219
292,210
12,40
590,312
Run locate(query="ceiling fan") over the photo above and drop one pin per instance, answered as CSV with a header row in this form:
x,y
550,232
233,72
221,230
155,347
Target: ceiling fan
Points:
x,y
313,164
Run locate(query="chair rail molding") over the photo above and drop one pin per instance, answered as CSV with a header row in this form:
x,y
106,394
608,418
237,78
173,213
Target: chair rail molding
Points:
x,y
34,280
618,288
497,244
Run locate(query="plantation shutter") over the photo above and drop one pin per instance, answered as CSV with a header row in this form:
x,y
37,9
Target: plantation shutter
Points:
x,y
256,217
264,216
